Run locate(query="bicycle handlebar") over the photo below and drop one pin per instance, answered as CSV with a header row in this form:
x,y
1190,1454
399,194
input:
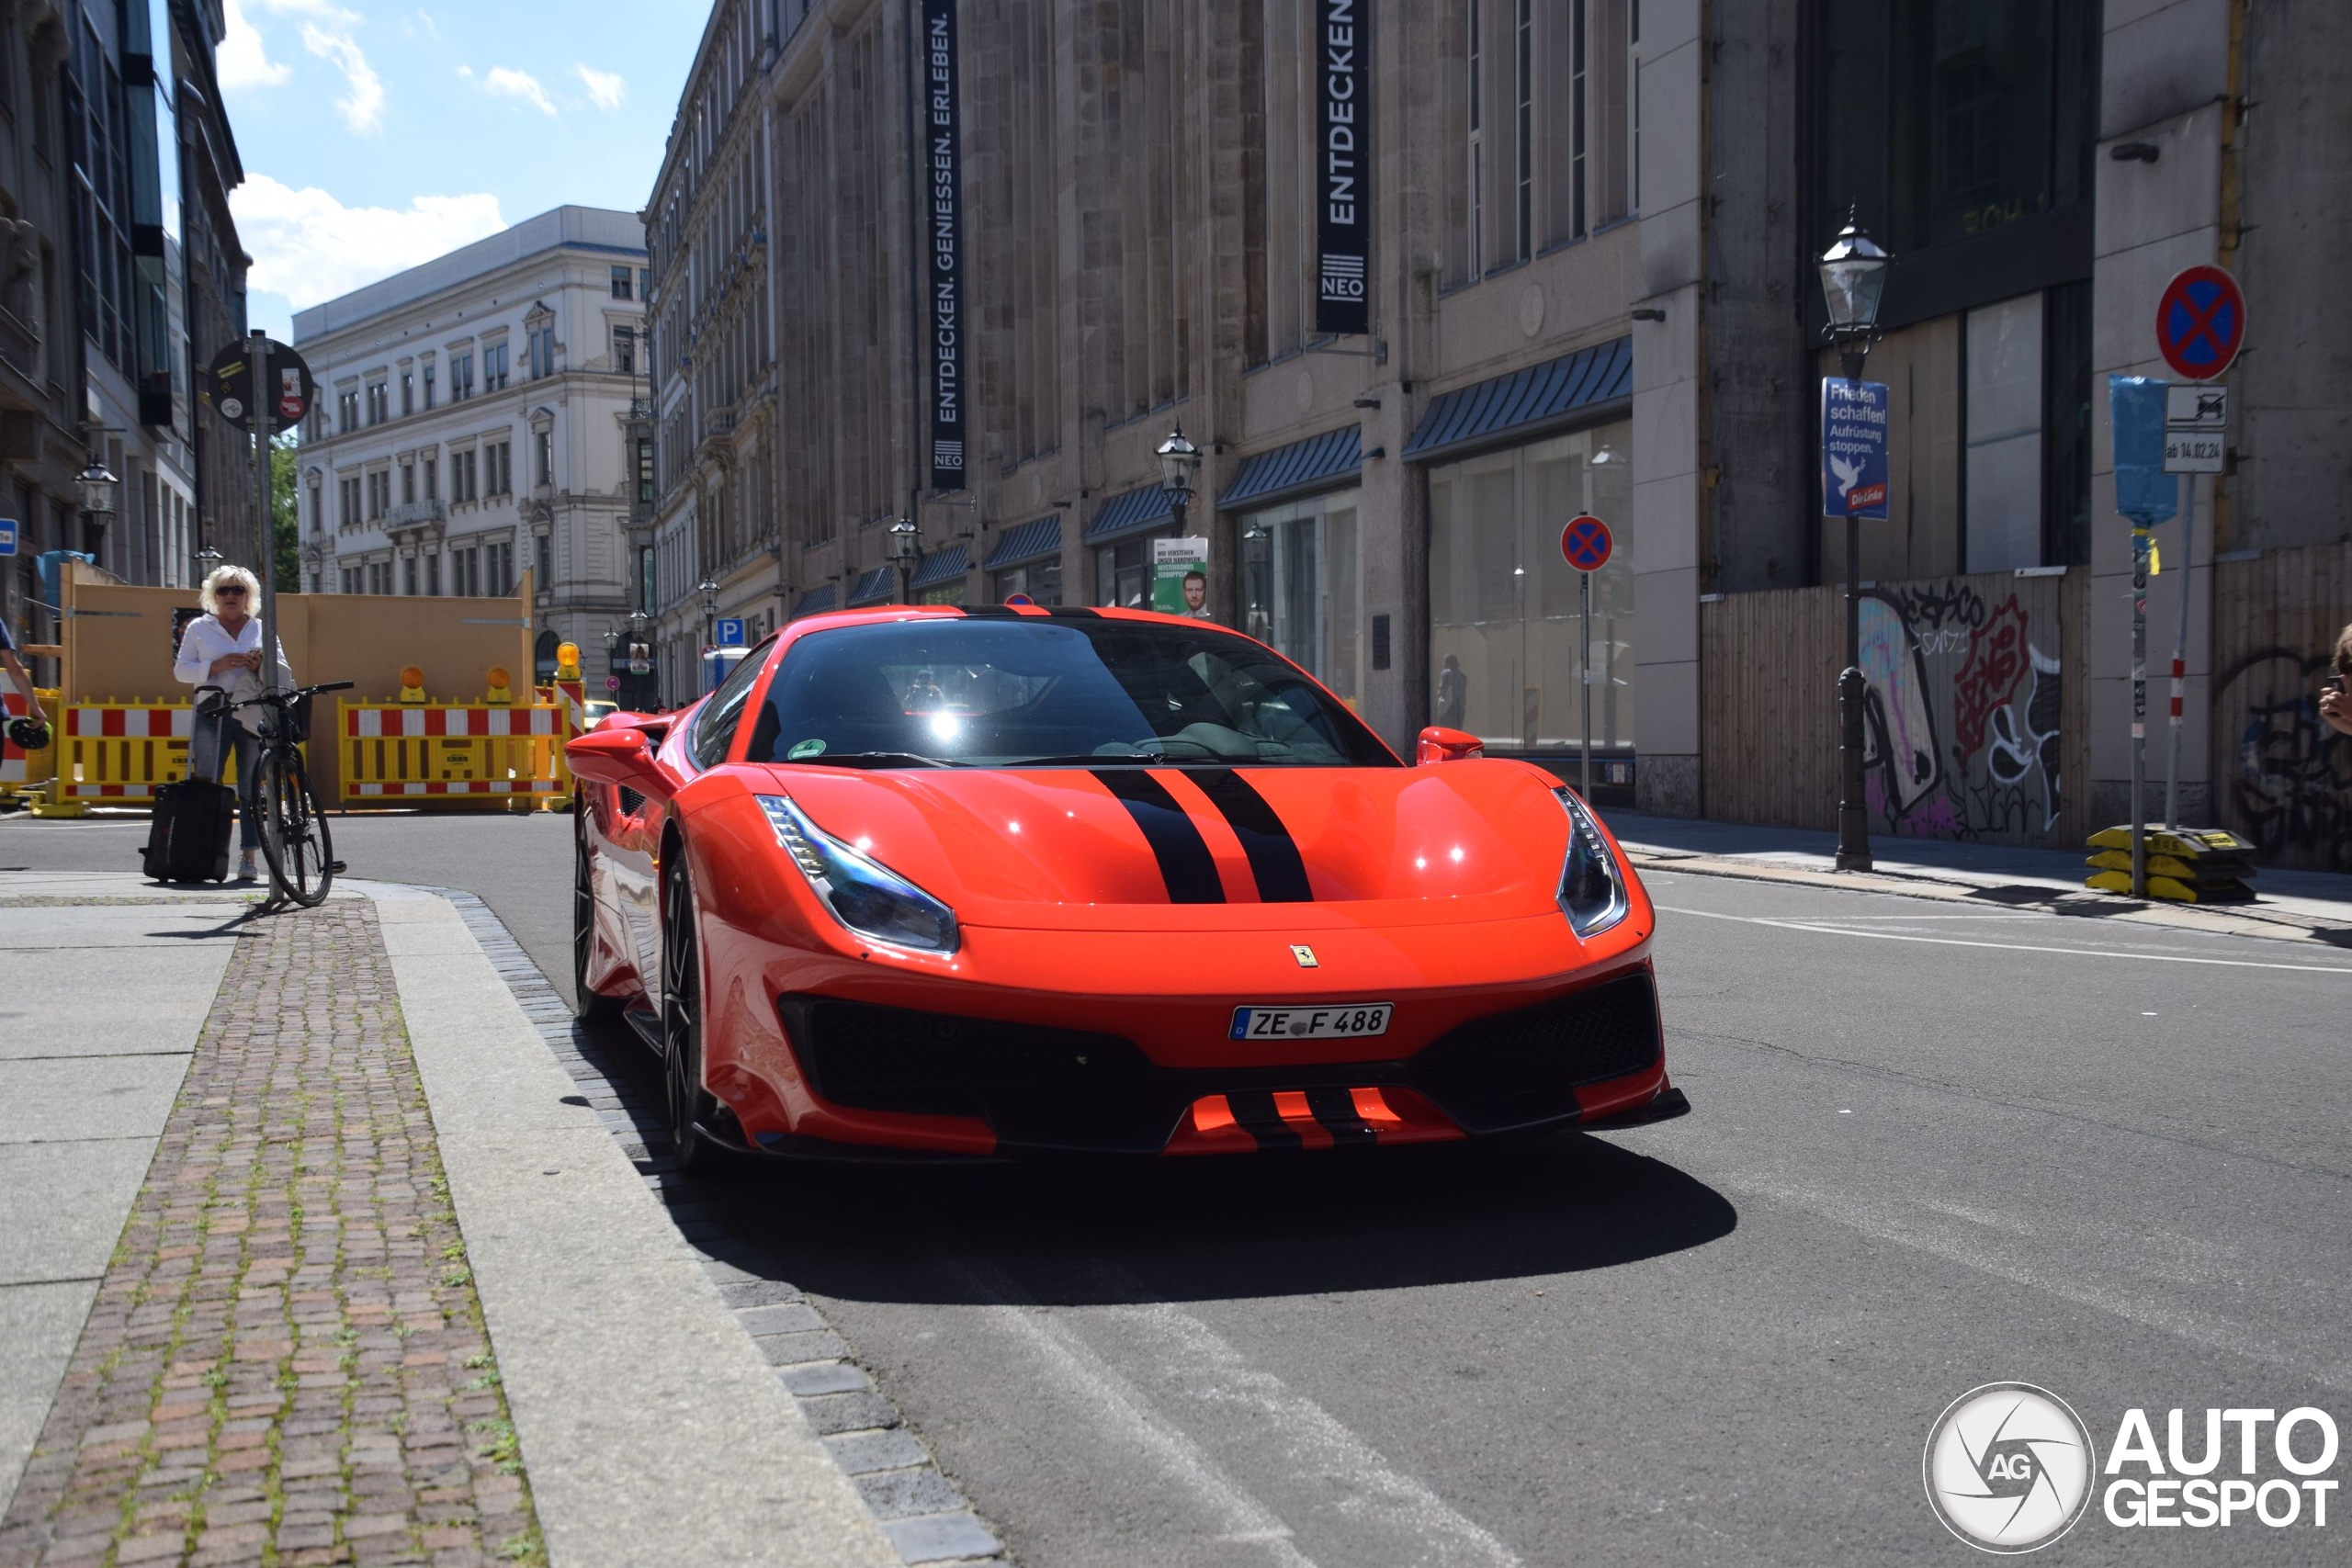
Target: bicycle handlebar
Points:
x,y
281,697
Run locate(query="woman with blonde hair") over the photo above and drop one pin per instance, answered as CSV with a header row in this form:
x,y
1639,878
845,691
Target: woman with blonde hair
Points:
x,y
221,651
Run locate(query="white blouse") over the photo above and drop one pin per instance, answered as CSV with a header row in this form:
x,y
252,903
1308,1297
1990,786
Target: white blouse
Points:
x,y
207,639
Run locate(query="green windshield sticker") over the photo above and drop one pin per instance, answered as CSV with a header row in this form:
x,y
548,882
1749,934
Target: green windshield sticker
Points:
x,y
803,749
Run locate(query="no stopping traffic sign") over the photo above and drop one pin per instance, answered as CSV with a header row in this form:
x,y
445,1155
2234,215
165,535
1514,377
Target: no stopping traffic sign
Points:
x,y
2200,322
1586,544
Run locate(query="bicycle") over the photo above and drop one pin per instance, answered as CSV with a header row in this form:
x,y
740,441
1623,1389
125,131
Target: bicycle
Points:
x,y
294,836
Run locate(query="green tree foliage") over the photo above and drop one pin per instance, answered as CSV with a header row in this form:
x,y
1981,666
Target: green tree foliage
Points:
x,y
285,512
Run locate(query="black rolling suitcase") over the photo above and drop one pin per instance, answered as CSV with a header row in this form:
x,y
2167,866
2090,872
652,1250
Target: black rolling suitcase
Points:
x,y
188,840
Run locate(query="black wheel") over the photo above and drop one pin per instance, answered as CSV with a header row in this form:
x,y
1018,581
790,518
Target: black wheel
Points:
x,y
689,1106
594,1008
294,836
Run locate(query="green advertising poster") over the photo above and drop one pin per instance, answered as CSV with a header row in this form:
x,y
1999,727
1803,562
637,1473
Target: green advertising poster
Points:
x,y
1179,580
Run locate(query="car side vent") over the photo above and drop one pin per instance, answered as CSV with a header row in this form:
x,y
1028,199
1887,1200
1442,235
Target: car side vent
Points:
x,y
631,802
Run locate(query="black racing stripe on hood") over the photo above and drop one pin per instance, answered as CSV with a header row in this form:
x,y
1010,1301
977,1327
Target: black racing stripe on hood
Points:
x,y
1185,863
1273,854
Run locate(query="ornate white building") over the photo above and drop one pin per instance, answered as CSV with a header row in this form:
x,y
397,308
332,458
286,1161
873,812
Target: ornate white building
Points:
x,y
473,424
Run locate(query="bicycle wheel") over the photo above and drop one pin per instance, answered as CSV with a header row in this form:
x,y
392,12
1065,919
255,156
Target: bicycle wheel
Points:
x,y
294,837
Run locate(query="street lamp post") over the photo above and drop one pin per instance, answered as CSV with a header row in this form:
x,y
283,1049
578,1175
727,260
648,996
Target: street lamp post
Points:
x,y
1853,277
709,591
906,550
1179,469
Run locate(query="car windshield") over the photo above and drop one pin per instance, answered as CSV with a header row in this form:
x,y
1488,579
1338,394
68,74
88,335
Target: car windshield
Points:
x,y
1061,693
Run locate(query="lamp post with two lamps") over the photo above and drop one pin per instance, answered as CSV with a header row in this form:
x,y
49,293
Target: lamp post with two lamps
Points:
x,y
1853,277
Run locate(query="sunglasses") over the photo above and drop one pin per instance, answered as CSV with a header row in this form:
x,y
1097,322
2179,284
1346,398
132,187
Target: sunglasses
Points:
x,y
228,593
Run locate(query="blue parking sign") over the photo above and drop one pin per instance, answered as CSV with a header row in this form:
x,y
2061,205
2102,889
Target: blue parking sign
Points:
x,y
730,632
1853,447
8,535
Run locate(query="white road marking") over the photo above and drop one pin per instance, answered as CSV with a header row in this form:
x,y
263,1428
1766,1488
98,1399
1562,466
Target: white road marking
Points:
x,y
1208,1369
1820,929
1239,1518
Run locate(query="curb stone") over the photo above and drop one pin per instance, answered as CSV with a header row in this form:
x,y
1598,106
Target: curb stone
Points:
x,y
924,1514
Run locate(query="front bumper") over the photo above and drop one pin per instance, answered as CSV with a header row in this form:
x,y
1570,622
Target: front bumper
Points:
x,y
1587,1056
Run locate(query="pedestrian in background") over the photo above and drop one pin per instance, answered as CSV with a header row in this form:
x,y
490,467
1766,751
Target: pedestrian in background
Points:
x,y
221,656
2336,693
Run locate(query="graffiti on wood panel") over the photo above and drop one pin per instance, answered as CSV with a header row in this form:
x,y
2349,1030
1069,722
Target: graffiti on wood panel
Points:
x,y
1960,733
2290,787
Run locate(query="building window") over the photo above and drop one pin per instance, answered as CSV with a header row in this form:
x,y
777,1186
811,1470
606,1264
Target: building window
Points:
x,y
379,403
465,573
542,351
407,576
621,289
625,350
645,469
428,386
645,582
408,483
433,576
1041,580
500,566
1123,571
1576,129
1503,605
408,394
379,495
346,412
1475,150
546,562
1523,128
543,456
432,479
493,367
318,511
347,502
644,283
1302,588
498,468
461,478
461,376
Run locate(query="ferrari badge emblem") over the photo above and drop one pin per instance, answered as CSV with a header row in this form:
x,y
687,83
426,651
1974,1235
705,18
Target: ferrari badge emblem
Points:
x,y
1303,953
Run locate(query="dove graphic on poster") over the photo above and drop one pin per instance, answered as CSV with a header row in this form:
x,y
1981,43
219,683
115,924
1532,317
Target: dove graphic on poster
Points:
x,y
1847,473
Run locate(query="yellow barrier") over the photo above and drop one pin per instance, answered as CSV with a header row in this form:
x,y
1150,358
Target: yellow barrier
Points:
x,y
441,755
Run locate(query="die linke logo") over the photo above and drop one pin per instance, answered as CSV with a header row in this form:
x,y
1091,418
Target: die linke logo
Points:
x,y
2010,1467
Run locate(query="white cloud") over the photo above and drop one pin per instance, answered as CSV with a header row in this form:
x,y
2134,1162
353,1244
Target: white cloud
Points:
x,y
242,62
308,246
520,85
362,105
605,88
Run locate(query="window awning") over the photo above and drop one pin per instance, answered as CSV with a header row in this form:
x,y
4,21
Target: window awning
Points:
x,y
1573,388
942,565
874,587
1027,543
816,602
1129,513
1303,466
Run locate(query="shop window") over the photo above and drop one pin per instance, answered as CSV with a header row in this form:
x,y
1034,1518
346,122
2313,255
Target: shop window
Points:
x,y
940,593
1123,571
1505,637
1042,580
1302,591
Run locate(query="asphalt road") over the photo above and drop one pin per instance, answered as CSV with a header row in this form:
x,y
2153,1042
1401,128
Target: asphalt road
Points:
x,y
1934,1147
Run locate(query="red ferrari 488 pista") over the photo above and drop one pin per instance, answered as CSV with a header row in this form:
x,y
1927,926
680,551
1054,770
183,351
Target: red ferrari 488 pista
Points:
x,y
978,882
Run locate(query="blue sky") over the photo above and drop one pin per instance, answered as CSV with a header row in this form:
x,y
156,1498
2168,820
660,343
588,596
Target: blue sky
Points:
x,y
377,137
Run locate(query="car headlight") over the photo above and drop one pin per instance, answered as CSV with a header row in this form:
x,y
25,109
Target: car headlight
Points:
x,y
861,893
1592,889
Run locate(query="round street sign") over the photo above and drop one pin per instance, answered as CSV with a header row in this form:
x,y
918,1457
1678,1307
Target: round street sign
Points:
x,y
285,392
1586,542
612,682
1017,601
2200,322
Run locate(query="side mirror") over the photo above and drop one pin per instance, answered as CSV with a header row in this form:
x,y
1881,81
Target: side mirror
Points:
x,y
1439,744
617,757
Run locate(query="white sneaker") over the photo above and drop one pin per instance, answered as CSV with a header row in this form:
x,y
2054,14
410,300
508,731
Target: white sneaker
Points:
x,y
247,871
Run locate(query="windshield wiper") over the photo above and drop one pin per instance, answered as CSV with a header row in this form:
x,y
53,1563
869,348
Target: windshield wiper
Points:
x,y
877,760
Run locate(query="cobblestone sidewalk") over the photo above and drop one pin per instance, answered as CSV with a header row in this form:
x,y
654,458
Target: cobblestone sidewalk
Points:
x,y
287,1362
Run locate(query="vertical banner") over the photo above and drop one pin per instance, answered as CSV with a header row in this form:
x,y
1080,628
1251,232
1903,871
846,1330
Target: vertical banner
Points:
x,y
943,199
1343,187
1853,448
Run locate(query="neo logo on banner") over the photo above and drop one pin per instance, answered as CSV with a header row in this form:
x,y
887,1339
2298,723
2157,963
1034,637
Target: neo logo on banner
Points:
x,y
1853,448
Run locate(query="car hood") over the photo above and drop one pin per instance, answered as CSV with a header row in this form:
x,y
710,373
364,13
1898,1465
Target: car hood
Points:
x,y
1184,849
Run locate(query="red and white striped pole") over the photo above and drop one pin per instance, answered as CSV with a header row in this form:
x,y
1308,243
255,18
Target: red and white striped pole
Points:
x,y
2180,647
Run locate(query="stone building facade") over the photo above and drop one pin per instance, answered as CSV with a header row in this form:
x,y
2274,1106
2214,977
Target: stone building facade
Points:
x,y
473,425
1591,287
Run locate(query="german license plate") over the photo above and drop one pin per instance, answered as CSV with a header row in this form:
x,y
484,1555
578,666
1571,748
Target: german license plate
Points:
x,y
1342,1022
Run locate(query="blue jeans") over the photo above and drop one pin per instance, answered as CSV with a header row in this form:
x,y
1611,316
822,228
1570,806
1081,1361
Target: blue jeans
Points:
x,y
205,742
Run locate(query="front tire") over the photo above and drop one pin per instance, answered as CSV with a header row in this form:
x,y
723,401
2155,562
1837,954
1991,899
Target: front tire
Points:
x,y
593,1006
688,1105
294,836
